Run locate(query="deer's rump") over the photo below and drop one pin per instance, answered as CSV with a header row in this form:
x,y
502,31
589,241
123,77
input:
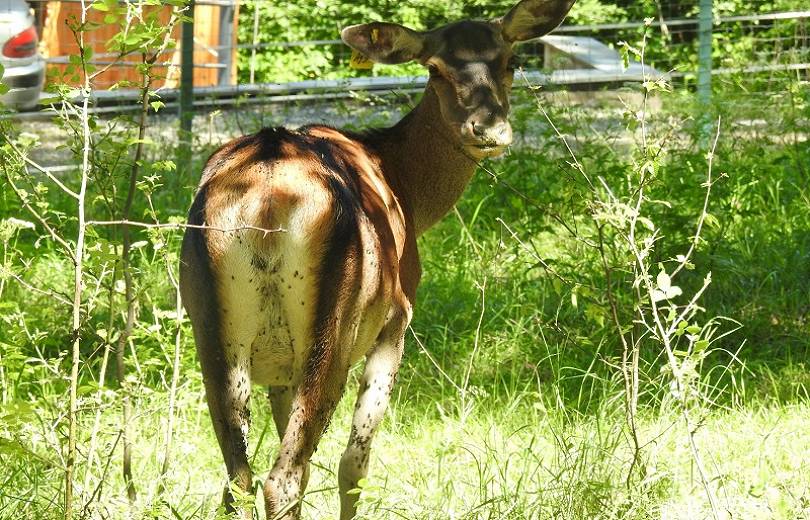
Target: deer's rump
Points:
x,y
290,237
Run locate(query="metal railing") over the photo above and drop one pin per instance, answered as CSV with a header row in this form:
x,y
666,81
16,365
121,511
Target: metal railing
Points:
x,y
224,50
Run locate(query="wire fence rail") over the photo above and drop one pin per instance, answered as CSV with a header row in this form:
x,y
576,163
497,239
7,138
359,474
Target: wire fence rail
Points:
x,y
774,49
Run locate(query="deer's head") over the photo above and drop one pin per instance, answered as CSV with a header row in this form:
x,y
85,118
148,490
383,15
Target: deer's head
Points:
x,y
471,65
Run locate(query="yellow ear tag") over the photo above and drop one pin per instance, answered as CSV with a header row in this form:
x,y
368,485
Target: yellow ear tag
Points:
x,y
360,62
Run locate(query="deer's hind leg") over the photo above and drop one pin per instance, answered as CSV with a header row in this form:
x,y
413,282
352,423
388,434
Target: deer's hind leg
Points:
x,y
373,395
281,398
225,369
227,390
311,407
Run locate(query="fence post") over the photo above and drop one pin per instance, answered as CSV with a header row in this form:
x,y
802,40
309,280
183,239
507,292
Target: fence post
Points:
x,y
225,48
704,84
186,94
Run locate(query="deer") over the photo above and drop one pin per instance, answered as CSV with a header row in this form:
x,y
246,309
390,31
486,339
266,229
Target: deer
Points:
x,y
300,256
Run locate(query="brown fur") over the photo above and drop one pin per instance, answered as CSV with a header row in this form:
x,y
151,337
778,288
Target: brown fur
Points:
x,y
313,263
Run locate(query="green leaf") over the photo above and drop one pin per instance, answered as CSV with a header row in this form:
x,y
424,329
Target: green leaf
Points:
x,y
50,100
673,291
663,281
594,312
647,223
3,88
11,447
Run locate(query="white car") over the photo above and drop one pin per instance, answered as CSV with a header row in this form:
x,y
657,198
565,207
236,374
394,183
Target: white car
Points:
x,y
24,68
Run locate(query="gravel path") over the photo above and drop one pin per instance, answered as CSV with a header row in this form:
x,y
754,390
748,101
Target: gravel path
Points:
x,y
598,112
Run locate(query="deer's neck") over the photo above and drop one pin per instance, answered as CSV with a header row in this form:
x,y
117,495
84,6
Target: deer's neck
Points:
x,y
424,163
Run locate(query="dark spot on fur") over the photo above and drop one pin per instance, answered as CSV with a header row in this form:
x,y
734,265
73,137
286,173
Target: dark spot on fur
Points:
x,y
258,263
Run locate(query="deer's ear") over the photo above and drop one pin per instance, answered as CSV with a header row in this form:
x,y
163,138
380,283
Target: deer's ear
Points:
x,y
384,42
534,18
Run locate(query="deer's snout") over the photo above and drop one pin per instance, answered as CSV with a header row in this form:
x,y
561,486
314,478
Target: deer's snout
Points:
x,y
487,134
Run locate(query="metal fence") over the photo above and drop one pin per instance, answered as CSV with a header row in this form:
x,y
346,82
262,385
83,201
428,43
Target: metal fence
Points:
x,y
777,43
576,55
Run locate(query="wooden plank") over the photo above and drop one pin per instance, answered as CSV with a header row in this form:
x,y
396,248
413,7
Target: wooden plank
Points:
x,y
59,42
234,41
50,35
206,36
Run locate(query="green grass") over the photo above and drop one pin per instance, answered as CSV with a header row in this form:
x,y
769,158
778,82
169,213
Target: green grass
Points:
x,y
510,405
523,459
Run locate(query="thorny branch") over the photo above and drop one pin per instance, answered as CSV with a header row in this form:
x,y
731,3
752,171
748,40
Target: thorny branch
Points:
x,y
664,334
171,225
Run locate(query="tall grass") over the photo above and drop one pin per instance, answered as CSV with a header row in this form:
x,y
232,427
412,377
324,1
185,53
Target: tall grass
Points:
x,y
518,397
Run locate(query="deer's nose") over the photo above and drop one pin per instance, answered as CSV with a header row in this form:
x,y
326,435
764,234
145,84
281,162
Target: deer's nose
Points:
x,y
496,134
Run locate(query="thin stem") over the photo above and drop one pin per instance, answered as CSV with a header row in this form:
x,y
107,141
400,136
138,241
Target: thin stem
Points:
x,y
629,356
78,275
433,361
178,305
33,288
576,163
129,290
704,210
256,6
34,213
476,344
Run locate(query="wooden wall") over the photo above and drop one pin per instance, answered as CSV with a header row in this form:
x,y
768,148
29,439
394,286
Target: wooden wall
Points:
x,y
59,41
